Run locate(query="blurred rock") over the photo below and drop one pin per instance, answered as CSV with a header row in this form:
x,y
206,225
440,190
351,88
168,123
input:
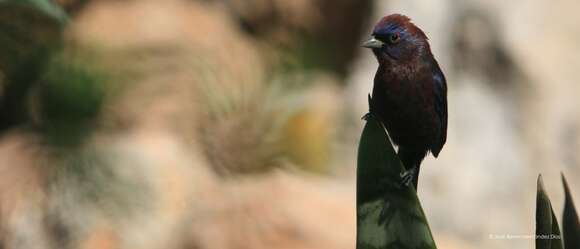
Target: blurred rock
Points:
x,y
139,191
21,192
278,210
479,51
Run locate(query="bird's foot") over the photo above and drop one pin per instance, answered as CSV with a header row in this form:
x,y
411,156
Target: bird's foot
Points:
x,y
368,116
407,177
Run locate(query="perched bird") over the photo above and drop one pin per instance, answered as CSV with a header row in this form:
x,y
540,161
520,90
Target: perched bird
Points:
x,y
409,93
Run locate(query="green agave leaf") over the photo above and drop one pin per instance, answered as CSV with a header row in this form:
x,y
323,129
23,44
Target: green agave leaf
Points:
x,y
556,235
547,229
570,223
388,215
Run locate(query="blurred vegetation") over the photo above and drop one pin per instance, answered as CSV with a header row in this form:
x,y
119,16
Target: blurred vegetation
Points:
x,y
58,95
64,97
99,183
30,33
253,128
71,7
308,34
242,128
70,99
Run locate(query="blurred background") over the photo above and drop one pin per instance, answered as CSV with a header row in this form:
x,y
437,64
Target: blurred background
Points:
x,y
197,124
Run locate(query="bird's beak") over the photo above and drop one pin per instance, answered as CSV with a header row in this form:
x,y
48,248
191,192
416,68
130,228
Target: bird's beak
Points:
x,y
373,43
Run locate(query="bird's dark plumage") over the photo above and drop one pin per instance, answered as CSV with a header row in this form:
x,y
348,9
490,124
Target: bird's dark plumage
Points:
x,y
410,92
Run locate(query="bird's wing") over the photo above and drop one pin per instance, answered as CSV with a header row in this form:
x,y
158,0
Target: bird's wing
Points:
x,y
440,93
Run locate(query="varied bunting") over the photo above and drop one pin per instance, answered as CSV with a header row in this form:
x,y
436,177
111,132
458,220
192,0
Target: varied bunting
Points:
x,y
410,92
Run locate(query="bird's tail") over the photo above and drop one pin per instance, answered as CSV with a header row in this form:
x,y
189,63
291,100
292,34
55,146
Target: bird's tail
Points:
x,y
416,175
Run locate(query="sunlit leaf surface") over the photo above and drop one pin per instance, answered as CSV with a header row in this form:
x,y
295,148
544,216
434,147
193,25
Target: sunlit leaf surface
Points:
x,y
388,215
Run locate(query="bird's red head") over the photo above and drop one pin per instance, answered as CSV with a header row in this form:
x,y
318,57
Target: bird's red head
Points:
x,y
396,39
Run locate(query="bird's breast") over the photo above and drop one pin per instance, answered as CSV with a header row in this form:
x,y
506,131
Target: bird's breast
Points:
x,y
405,104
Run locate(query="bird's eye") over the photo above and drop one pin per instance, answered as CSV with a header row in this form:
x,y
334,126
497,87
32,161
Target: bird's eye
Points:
x,y
394,38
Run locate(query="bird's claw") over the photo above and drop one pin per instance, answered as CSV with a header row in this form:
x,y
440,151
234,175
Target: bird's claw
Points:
x,y
368,116
407,177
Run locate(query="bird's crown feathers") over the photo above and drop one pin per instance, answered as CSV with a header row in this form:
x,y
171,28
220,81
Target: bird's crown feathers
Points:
x,y
399,23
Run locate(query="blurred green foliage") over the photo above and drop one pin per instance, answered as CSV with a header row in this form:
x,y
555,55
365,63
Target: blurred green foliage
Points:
x,y
30,32
70,98
311,54
42,87
28,28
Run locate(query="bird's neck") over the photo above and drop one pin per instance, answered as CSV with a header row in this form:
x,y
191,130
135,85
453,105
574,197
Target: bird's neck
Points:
x,y
403,70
